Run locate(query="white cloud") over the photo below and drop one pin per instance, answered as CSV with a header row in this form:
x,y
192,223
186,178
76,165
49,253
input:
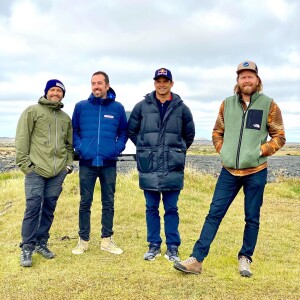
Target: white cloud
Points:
x,y
201,42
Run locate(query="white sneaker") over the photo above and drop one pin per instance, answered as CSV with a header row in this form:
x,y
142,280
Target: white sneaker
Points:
x,y
107,244
81,247
244,266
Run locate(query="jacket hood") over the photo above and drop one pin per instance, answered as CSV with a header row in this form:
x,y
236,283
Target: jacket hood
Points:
x,y
51,104
111,96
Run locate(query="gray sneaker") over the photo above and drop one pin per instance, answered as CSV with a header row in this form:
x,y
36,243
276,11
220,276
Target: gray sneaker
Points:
x,y
172,253
44,251
26,257
244,266
154,250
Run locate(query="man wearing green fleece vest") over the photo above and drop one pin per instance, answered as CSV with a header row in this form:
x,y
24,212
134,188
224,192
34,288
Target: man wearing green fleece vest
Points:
x,y
240,137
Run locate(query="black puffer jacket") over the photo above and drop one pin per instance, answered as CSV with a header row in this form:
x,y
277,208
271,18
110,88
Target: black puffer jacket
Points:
x,y
161,144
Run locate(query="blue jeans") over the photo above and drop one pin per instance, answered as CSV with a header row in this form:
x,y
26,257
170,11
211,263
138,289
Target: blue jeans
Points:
x,y
41,198
226,190
88,177
171,217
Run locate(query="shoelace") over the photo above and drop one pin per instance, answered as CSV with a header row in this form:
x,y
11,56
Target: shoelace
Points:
x,y
190,260
153,249
25,253
173,252
113,243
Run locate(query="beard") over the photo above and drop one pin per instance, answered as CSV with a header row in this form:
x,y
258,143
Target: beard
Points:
x,y
248,89
99,94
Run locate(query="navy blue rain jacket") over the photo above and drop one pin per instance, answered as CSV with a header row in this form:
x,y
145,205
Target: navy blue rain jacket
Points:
x,y
99,130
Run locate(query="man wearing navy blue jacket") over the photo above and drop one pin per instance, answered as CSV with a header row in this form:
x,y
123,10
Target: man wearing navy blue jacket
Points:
x,y
99,136
162,128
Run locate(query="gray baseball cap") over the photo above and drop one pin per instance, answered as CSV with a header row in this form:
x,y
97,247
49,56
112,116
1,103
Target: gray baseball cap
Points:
x,y
247,65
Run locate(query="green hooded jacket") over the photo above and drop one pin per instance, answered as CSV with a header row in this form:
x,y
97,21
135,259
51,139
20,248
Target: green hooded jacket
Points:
x,y
44,139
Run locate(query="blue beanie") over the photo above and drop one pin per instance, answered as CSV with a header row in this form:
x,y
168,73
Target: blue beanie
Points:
x,y
55,83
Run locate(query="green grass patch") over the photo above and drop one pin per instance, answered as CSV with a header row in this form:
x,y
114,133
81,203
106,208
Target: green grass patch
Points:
x,y
100,275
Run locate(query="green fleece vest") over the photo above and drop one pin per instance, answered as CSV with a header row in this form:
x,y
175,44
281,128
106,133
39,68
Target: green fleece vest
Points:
x,y
245,131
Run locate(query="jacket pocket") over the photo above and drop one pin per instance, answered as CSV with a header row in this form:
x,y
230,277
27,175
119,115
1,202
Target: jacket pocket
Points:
x,y
87,148
176,160
254,119
144,160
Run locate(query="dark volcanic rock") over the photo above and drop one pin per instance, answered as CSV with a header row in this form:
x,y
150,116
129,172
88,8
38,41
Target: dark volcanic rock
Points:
x,y
285,166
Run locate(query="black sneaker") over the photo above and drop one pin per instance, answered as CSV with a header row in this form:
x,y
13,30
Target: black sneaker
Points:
x,y
172,253
154,250
26,257
44,251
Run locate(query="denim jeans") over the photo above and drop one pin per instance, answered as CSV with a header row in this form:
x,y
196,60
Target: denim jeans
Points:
x,y
226,190
41,198
171,217
88,177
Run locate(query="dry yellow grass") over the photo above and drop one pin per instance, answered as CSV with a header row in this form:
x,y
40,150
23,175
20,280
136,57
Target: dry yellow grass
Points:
x,y
100,275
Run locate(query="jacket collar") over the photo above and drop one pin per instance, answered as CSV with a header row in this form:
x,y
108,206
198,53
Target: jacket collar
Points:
x,y
110,97
51,104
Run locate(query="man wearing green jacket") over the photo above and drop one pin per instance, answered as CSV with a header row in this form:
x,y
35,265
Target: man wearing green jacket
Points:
x,y
240,136
44,153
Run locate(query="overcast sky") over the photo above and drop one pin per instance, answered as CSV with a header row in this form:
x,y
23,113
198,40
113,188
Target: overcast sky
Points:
x,y
201,42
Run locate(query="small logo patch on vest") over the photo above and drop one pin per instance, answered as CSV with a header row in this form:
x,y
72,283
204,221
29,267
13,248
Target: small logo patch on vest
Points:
x,y
109,116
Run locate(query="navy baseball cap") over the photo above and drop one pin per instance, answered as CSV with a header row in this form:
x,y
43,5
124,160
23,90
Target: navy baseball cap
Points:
x,y
163,72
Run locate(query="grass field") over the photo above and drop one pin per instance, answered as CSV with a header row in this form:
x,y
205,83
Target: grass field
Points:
x,y
100,275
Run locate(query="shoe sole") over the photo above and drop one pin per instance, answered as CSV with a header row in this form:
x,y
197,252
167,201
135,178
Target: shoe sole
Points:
x,y
77,253
157,255
171,259
29,264
185,270
107,250
47,257
245,273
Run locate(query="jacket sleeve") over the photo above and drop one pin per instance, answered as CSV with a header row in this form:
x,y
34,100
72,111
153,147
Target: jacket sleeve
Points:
x,y
188,128
22,141
134,123
69,145
218,131
76,127
276,131
122,132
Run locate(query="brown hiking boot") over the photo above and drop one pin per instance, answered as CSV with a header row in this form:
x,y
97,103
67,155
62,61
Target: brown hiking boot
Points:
x,y
190,265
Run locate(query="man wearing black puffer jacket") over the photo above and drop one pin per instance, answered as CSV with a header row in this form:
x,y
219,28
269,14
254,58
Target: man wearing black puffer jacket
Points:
x,y
162,128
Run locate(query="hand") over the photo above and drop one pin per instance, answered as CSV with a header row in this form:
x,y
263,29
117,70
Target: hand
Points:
x,y
69,169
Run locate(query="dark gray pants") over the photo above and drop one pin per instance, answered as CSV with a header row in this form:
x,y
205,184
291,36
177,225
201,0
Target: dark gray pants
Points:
x,y
41,198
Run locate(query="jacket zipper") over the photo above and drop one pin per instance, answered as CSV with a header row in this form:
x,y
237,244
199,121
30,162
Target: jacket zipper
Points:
x,y
98,142
49,134
241,134
170,108
55,153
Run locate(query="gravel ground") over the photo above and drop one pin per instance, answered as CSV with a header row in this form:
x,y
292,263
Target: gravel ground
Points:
x,y
285,166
